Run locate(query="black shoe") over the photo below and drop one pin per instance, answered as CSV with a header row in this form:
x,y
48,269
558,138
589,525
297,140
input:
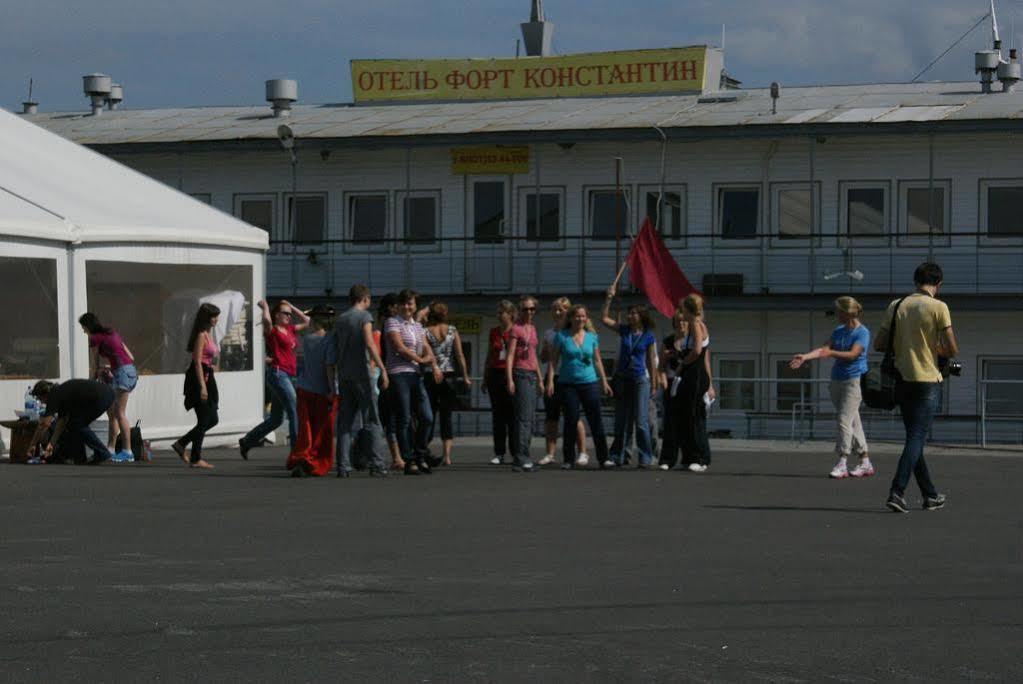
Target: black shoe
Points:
x,y
424,467
378,473
343,473
297,472
244,449
933,503
897,504
526,468
410,468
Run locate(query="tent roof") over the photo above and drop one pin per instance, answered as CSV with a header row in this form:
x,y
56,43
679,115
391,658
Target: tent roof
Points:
x,y
54,189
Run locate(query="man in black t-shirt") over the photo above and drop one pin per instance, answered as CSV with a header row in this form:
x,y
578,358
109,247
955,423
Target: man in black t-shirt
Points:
x,y
75,404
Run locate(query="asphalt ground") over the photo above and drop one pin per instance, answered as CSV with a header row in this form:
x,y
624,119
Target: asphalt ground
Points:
x,y
759,570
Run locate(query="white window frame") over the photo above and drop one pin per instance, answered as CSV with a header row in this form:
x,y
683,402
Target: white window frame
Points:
x,y
403,245
350,247
774,360
843,213
289,246
507,225
526,191
682,189
984,186
716,359
921,240
717,189
775,208
275,219
610,244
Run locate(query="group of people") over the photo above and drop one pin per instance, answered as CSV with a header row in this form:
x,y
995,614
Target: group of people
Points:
x,y
362,391
565,367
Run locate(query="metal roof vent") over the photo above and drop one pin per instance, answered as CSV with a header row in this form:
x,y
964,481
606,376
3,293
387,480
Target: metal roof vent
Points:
x,y
1009,72
115,97
97,88
537,33
30,106
281,92
986,64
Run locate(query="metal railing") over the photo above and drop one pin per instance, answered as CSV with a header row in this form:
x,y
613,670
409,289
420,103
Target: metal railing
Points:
x,y
766,263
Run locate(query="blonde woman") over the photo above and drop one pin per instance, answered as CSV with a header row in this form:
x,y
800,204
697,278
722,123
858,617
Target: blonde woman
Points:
x,y
848,346
552,403
686,380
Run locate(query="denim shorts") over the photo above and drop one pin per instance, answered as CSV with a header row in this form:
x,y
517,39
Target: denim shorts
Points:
x,y
125,378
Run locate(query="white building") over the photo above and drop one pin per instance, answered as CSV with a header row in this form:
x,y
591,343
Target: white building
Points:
x,y
379,202
79,232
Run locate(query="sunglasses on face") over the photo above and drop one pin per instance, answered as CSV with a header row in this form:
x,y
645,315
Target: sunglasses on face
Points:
x,y
529,308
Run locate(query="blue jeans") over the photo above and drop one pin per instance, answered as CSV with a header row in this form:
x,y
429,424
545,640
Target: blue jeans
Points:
x,y
918,402
586,397
632,411
282,404
525,401
408,393
359,404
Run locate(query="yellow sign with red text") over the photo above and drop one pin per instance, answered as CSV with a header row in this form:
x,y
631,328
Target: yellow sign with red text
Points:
x,y
636,72
498,159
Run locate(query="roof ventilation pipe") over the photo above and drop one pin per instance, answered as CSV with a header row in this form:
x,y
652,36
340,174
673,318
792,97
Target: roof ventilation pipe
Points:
x,y
115,97
281,92
986,64
1009,72
537,33
97,88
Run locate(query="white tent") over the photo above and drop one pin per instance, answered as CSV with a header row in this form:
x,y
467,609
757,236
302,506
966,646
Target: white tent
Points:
x,y
80,232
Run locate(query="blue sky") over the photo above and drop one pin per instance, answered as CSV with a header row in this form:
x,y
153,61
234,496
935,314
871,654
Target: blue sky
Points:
x,y
219,52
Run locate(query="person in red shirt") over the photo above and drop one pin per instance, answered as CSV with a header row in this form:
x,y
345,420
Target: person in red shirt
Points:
x,y
279,328
502,408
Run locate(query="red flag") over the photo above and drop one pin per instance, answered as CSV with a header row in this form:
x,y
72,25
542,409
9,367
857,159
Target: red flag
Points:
x,y
654,271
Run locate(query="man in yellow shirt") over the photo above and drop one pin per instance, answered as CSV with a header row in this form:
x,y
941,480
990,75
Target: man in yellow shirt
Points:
x,y
923,333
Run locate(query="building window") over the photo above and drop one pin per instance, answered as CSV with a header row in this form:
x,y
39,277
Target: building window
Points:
x,y
29,332
789,389
1000,213
791,210
419,216
152,306
609,214
864,211
310,218
551,214
367,218
257,210
736,389
672,224
923,212
488,210
738,212
1003,399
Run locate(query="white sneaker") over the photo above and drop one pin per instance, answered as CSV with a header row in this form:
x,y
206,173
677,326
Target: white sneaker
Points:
x,y
582,460
664,466
697,468
862,469
609,463
547,459
496,460
840,470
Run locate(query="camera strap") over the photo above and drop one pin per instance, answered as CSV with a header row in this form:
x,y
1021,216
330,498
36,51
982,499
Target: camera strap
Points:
x,y
888,363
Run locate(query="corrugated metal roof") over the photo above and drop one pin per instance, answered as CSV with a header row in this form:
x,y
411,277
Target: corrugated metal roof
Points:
x,y
817,105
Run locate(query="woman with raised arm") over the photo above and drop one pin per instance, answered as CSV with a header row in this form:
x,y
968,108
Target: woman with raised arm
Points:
x,y
688,390
552,404
633,380
313,450
496,384
848,346
407,353
279,328
576,355
446,344
201,393
120,373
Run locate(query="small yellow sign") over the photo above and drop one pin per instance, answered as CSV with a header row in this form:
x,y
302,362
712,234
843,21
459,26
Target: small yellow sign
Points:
x,y
496,159
669,70
467,325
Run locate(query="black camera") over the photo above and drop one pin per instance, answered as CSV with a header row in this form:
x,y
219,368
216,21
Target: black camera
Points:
x,y
949,367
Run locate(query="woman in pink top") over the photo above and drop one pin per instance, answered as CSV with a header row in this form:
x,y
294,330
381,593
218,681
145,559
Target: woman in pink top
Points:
x,y
201,393
522,375
120,373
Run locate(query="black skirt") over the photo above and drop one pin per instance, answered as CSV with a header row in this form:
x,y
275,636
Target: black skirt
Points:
x,y
193,392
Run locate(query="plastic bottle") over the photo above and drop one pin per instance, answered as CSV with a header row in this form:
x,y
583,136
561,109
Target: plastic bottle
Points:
x,y
31,406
